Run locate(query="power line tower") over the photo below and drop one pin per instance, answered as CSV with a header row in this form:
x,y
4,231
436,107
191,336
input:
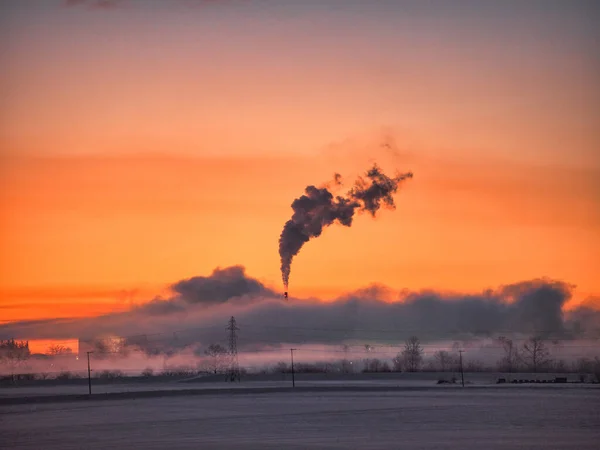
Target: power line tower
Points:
x,y
234,369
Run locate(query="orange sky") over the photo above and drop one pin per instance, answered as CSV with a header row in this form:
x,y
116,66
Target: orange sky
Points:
x,y
136,151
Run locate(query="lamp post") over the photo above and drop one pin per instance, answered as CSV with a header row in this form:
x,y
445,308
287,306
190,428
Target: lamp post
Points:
x,y
293,378
89,374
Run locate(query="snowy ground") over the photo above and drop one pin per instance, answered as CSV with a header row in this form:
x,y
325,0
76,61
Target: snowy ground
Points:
x,y
470,418
417,380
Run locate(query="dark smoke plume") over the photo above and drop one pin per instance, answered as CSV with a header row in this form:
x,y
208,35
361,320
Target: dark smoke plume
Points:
x,y
318,208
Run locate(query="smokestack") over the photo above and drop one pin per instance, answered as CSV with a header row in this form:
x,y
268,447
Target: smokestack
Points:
x,y
318,208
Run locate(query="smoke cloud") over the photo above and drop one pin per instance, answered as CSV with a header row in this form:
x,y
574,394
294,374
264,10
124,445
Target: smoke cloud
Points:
x,y
190,318
222,285
318,208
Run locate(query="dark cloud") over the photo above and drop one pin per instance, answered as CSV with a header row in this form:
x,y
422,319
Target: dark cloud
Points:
x,y
222,285
585,321
537,304
201,306
160,306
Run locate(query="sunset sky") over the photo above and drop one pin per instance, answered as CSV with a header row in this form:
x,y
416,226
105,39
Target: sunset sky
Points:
x,y
144,142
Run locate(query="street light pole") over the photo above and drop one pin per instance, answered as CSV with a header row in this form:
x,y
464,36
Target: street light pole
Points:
x,y
462,374
293,379
89,373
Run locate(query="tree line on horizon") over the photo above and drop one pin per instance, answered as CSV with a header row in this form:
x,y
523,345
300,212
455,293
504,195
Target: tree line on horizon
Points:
x,y
533,355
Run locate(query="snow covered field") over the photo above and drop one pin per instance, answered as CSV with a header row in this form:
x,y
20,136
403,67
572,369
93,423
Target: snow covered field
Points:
x,y
471,418
412,380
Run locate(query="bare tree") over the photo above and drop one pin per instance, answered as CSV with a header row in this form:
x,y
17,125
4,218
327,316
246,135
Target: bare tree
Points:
x,y
560,366
373,365
412,354
57,349
281,367
110,347
509,361
444,360
217,357
474,365
596,369
13,353
583,367
346,364
370,364
535,354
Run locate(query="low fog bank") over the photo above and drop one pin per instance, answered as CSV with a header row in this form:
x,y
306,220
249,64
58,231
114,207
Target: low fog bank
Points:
x,y
481,355
195,316
200,307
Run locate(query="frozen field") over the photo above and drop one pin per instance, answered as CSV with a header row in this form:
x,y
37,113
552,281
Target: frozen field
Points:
x,y
408,380
463,419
